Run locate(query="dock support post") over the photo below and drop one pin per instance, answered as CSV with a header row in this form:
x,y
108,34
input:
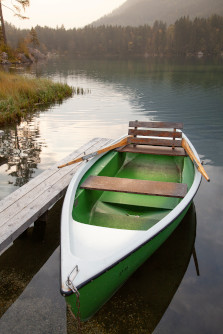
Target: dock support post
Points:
x,y
40,227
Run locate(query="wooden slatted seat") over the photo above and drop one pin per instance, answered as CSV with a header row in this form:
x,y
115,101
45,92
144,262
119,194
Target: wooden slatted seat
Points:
x,y
145,187
159,138
157,150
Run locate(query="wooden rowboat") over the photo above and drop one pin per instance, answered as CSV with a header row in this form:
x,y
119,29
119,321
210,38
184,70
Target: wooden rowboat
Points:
x,y
120,207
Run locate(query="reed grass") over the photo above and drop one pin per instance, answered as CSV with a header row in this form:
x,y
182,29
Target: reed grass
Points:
x,y
20,95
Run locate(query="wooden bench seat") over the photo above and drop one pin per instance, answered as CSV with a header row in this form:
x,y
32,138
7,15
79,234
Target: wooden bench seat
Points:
x,y
134,186
156,150
160,138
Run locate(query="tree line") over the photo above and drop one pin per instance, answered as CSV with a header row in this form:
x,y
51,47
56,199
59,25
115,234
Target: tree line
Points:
x,y
184,37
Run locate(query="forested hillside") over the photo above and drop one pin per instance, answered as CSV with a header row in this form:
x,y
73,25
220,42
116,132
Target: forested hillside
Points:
x,y
139,12
184,37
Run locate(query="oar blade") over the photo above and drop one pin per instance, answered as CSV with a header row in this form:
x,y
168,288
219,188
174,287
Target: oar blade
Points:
x,y
199,166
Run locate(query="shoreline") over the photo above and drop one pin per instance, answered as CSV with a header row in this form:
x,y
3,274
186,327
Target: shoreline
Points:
x,y
9,57
20,95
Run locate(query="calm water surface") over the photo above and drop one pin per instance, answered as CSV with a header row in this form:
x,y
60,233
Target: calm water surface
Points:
x,y
165,295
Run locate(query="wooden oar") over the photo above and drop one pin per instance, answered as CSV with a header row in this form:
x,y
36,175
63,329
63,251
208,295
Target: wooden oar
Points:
x,y
199,166
103,150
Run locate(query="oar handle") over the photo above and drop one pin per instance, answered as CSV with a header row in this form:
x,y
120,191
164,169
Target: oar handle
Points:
x,y
197,163
103,150
71,163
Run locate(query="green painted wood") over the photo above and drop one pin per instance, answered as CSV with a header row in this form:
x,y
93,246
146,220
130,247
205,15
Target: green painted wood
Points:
x,y
113,209
98,291
109,208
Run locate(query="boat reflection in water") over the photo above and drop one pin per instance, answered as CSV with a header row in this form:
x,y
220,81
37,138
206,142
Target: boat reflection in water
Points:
x,y
140,304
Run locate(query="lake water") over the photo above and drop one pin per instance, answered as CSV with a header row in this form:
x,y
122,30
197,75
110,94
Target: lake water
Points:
x,y
165,295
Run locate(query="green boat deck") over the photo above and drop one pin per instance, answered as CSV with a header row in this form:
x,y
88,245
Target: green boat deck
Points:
x,y
129,210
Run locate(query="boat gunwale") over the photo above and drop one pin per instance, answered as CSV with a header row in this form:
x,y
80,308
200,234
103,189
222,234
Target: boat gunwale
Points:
x,y
153,231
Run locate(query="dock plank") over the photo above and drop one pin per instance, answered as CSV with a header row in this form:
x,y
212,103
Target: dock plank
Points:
x,y
28,203
26,194
17,194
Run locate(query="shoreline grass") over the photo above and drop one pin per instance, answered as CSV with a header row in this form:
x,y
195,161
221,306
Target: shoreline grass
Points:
x,y
20,95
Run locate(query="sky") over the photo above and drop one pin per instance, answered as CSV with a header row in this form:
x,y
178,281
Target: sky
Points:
x,y
53,13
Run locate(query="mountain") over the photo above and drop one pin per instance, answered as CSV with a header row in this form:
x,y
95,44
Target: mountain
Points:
x,y
140,12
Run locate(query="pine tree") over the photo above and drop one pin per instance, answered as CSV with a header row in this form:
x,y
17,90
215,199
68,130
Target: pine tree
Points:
x,y
34,38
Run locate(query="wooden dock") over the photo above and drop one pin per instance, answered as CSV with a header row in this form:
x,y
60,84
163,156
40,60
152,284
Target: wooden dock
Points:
x,y
25,205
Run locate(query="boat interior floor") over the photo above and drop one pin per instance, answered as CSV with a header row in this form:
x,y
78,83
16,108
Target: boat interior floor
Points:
x,y
119,210
128,217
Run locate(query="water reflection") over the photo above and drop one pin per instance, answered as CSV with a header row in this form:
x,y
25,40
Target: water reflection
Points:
x,y
168,90
20,153
190,91
196,262
136,308
140,304
27,255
